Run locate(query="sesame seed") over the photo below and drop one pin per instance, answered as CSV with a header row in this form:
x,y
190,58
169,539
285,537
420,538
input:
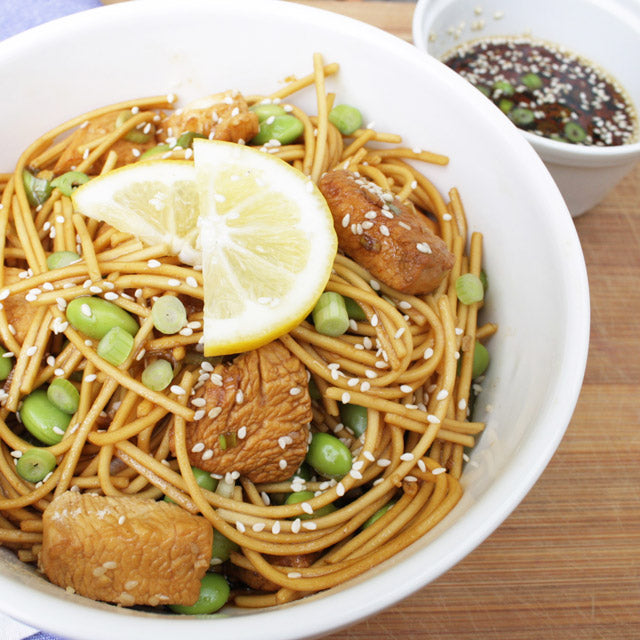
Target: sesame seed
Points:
x,y
438,471
31,351
58,372
346,397
242,433
85,309
192,282
383,462
355,474
407,457
294,574
173,282
365,386
295,525
239,396
154,264
442,394
423,247
198,447
240,527
369,456
462,404
214,413
91,377
428,353
199,414
295,391
405,388
275,529
433,419
340,490
311,526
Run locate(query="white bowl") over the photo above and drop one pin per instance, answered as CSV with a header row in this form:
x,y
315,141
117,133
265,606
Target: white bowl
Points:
x,y
606,33
538,291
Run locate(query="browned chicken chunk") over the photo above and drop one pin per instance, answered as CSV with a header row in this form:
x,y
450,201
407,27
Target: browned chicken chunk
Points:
x,y
127,150
257,581
256,415
388,238
20,312
125,549
221,116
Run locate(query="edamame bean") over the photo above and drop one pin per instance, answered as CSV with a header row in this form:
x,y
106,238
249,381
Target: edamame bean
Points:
x,y
94,317
42,418
266,110
59,259
222,548
305,496
329,456
285,129
6,364
203,479
214,593
354,417
64,395
378,514
346,118
35,465
481,359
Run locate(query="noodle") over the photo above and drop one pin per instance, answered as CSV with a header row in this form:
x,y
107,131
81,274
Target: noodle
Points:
x,y
409,364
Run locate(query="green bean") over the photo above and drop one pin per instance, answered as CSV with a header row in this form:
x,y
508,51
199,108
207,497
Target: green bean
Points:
x,y
115,346
214,593
37,189
158,375
266,110
68,181
6,364
64,395
285,129
346,118
305,496
35,465
329,456
354,417
42,418
59,259
94,317
168,314
330,315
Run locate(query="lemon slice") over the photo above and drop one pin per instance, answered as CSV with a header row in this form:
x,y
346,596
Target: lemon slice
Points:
x,y
268,245
157,201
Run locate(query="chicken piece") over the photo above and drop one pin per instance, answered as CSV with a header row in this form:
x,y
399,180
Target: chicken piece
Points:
x,y
125,549
99,127
221,116
390,239
20,312
256,417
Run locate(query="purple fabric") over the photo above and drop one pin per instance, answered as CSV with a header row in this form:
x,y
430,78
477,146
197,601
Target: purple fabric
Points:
x,y
19,15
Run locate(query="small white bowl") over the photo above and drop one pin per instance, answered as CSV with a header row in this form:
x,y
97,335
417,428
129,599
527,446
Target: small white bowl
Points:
x,y
538,293
605,33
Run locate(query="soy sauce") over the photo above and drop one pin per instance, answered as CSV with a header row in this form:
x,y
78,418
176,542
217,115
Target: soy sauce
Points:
x,y
548,90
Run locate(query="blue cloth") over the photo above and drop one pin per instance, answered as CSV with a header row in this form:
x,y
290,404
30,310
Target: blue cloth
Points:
x,y
19,15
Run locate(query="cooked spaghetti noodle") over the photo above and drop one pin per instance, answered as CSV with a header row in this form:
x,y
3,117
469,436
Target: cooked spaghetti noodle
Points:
x,y
409,363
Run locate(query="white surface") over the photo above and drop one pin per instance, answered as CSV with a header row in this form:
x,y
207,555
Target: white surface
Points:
x,y
606,33
538,292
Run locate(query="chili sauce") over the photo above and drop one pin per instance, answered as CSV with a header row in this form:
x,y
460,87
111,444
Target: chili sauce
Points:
x,y
548,90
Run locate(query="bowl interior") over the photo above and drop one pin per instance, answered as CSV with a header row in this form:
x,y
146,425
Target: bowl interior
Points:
x,y
538,290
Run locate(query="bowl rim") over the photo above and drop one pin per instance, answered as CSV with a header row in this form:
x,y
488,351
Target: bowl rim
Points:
x,y
562,152
296,621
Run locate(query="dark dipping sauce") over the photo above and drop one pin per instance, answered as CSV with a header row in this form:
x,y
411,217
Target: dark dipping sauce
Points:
x,y
547,90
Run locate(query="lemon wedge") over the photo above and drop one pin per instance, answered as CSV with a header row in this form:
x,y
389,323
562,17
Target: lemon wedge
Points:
x,y
157,201
268,245
260,230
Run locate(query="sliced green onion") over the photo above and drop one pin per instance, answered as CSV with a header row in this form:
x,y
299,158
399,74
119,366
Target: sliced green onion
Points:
x,y
37,189
522,117
67,181
64,395
314,392
154,151
6,364
505,105
504,87
574,132
59,259
134,135
354,417
158,375
116,345
469,288
34,465
330,315
354,310
532,81
481,359
484,279
266,110
345,118
186,139
485,91
169,314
